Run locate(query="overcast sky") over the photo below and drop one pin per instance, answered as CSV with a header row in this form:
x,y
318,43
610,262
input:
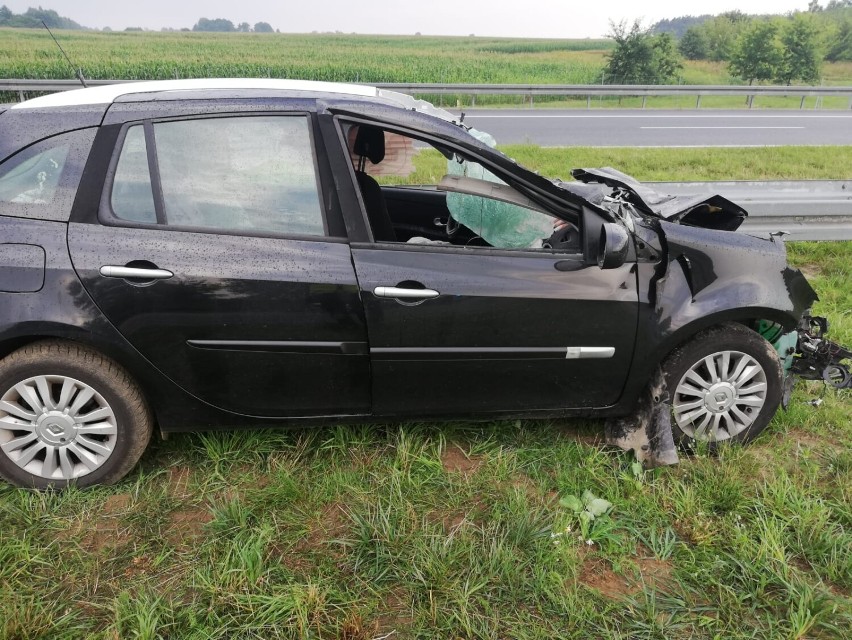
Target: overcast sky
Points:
x,y
521,18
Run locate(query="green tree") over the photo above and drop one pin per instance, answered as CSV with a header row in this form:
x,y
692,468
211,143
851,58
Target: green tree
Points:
x,y
756,55
640,58
667,62
800,58
217,24
5,14
722,33
263,27
693,45
840,43
244,27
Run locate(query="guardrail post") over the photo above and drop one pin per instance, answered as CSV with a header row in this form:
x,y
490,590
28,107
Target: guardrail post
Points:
x,y
20,96
531,100
802,103
750,101
644,99
698,101
473,100
589,102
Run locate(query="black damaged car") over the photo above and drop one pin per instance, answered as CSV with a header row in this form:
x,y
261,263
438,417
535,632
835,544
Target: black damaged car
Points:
x,y
222,254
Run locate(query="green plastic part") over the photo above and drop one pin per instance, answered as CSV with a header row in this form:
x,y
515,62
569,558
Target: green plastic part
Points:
x,y
784,343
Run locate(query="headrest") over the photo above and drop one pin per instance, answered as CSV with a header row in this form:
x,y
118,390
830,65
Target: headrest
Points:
x,y
370,143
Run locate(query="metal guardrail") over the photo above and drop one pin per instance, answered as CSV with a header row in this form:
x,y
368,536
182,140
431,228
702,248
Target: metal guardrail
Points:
x,y
804,209
568,90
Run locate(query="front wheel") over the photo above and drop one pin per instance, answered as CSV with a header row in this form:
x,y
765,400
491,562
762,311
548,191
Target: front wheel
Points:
x,y
724,385
68,414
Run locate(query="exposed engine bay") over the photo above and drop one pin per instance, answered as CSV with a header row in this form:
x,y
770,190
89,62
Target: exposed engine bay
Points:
x,y
818,358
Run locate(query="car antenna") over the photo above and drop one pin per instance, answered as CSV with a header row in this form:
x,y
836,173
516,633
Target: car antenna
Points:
x,y
79,71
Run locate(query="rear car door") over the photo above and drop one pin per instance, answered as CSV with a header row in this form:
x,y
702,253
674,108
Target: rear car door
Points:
x,y
214,251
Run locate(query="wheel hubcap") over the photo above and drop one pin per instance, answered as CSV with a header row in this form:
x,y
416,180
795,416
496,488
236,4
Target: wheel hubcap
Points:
x,y
56,427
720,396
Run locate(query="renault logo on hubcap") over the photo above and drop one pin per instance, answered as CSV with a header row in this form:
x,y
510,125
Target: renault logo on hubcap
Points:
x,y
54,429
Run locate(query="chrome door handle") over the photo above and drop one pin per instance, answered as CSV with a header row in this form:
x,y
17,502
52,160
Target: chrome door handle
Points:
x,y
405,294
135,273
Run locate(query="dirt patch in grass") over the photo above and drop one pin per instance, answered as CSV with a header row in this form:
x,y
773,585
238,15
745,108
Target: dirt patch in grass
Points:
x,y
185,526
813,442
455,460
651,573
811,270
106,530
580,432
525,485
178,481
330,524
396,613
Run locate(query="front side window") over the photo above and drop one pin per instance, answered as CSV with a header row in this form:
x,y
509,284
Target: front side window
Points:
x,y
252,174
418,193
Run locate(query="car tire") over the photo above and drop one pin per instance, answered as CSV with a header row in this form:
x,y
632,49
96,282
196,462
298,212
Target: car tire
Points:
x,y
68,414
724,385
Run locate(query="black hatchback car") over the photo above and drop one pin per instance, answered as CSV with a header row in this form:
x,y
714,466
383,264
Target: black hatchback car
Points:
x,y
220,254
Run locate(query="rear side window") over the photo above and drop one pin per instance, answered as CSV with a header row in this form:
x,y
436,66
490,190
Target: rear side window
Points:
x,y
249,174
132,198
41,180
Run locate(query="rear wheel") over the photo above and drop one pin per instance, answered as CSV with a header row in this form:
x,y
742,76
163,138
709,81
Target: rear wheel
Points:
x,y
68,414
724,385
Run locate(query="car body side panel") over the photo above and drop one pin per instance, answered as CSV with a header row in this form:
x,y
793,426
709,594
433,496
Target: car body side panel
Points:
x,y
709,277
20,128
510,331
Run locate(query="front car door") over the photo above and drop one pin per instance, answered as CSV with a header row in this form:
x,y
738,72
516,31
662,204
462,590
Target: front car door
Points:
x,y
219,258
476,326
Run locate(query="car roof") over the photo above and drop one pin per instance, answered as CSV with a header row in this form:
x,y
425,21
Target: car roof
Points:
x,y
107,94
202,87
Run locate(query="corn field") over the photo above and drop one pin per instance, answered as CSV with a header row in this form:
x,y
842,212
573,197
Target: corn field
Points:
x,y
30,53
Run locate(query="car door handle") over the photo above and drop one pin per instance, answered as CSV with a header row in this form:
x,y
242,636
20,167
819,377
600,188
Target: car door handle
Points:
x,y
405,294
135,273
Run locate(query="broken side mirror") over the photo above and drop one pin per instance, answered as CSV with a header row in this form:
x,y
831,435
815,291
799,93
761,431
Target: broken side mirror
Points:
x,y
612,245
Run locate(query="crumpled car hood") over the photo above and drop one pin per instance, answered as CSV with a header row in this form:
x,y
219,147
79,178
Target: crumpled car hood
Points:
x,y
598,186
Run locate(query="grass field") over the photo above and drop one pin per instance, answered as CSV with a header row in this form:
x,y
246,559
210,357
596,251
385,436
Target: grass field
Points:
x,y
28,53
456,531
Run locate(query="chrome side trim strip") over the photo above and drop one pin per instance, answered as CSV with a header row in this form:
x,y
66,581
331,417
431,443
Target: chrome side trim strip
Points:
x,y
574,353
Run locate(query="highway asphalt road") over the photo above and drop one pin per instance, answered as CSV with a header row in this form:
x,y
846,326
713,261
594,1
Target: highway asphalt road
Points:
x,y
657,128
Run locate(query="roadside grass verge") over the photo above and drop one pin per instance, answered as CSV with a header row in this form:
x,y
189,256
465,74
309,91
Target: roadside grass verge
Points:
x,y
455,530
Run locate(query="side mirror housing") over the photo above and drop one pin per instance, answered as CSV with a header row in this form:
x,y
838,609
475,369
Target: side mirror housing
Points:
x,y
612,246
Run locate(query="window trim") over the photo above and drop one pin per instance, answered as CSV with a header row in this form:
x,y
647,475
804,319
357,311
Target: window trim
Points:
x,y
107,216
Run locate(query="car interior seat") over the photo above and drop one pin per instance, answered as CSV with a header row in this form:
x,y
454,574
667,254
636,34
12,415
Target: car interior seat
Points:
x,y
370,145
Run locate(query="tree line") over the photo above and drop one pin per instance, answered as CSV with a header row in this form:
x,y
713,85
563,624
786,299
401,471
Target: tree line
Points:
x,y
782,49
32,19
226,26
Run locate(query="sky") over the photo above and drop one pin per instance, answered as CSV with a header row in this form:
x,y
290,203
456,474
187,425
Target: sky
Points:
x,y
518,18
